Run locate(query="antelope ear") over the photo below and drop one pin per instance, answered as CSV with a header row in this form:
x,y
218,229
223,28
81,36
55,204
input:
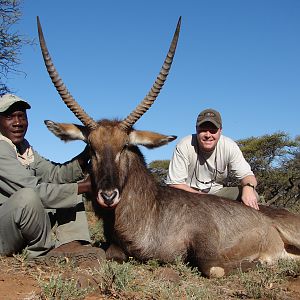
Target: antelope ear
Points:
x,y
67,132
149,139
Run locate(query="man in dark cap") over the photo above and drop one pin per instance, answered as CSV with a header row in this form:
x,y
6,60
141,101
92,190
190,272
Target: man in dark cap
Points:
x,y
201,162
36,194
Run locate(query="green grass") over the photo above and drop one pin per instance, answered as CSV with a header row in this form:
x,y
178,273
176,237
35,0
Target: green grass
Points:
x,y
58,288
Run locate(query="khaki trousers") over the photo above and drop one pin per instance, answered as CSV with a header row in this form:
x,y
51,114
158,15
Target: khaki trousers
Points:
x,y
26,224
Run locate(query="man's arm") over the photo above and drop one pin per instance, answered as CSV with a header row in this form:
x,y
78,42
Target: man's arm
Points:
x,y
249,195
184,187
14,176
178,167
68,172
243,172
83,159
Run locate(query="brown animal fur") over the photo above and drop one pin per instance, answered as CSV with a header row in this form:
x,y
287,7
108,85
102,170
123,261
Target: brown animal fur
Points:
x,y
150,221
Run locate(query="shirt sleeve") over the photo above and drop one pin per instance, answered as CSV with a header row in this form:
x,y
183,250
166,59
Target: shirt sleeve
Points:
x,y
57,173
237,163
178,167
14,176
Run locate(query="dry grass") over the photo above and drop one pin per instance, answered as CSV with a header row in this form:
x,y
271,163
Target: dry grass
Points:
x,y
132,280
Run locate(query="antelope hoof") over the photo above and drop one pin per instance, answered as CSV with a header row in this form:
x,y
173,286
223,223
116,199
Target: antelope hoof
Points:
x,y
216,272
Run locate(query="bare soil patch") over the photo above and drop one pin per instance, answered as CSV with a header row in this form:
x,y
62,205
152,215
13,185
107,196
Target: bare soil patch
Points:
x,y
16,282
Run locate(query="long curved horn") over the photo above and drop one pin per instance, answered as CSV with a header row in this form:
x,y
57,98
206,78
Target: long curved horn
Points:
x,y
146,103
60,87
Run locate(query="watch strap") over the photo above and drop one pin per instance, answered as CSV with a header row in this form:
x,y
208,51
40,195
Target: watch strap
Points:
x,y
250,184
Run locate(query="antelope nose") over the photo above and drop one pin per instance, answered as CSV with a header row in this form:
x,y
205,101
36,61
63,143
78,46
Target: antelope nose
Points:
x,y
109,197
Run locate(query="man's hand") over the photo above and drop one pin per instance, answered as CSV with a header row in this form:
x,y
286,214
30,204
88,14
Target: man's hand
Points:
x,y
249,197
85,186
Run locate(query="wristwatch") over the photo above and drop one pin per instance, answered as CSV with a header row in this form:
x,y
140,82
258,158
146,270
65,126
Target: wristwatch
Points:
x,y
250,184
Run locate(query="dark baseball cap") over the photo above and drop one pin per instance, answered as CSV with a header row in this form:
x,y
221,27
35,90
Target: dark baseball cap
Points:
x,y
209,115
7,100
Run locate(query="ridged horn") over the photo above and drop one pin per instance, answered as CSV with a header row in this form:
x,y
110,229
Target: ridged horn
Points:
x,y
146,103
59,85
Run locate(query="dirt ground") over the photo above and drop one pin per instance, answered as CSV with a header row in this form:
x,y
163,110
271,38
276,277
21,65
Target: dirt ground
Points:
x,y
19,281
16,282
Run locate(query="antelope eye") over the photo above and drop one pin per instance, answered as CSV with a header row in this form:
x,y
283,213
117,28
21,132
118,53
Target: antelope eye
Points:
x,y
126,143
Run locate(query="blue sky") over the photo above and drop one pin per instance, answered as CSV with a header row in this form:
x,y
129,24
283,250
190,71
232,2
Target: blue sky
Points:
x,y
241,57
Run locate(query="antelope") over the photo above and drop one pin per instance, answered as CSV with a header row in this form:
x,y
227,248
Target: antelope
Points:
x,y
145,220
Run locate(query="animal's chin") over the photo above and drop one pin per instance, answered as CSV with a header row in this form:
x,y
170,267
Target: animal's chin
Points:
x,y
107,207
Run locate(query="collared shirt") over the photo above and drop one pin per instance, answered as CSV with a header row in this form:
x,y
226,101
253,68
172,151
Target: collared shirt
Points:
x,y
206,171
27,157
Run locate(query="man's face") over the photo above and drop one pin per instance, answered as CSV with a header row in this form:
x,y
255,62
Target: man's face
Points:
x,y
14,124
208,136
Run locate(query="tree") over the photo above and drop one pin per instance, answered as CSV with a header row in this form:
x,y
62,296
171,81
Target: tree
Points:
x,y
159,169
268,151
275,160
11,41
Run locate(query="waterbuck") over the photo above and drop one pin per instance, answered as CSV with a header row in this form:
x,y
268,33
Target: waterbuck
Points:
x,y
145,220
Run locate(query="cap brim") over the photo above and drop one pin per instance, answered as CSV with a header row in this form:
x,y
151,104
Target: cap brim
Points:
x,y
218,125
11,103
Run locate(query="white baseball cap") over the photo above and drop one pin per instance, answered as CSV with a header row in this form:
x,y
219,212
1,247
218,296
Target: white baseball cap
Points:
x,y
7,100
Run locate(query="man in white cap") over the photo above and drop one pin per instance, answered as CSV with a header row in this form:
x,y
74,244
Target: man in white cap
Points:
x,y
201,162
36,194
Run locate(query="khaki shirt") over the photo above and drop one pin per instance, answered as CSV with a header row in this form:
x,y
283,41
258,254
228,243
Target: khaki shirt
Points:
x,y
54,183
203,171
